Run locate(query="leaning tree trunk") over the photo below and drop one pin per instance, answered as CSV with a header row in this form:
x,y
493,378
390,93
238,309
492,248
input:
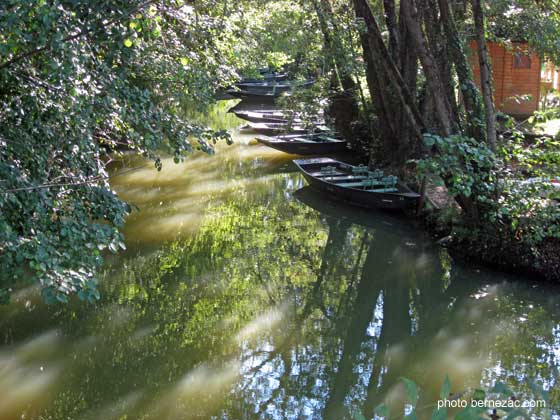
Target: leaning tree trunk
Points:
x,y
391,22
436,86
485,74
470,94
408,66
438,45
379,53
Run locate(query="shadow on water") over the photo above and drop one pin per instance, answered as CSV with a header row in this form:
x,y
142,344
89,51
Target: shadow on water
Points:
x,y
245,296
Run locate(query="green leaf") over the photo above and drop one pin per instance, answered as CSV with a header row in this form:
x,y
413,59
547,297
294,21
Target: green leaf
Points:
x,y
445,388
411,416
429,141
381,410
359,416
439,414
411,390
502,389
470,413
517,413
540,391
479,394
62,297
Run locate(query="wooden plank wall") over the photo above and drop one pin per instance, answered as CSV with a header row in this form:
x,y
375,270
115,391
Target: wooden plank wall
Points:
x,y
511,83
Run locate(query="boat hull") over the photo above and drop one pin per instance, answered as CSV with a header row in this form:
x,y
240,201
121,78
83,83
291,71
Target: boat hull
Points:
x,y
274,129
259,118
354,196
305,148
262,97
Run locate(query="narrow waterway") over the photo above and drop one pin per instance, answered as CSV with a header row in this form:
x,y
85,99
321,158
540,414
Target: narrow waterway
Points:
x,y
245,295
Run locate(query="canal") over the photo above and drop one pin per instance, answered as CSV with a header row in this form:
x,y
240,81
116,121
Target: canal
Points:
x,y
243,294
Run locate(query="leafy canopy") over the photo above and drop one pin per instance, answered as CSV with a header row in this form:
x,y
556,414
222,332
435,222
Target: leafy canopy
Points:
x,y
78,80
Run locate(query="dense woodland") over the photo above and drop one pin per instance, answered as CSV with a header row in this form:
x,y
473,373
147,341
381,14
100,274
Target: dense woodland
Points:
x,y
81,80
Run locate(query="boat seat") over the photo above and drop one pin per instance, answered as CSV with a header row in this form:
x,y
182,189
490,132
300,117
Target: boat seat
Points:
x,y
388,183
360,169
385,190
364,183
343,177
328,171
322,175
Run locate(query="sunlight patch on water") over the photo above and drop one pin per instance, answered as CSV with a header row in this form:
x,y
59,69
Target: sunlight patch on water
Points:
x,y
199,392
116,410
173,201
25,380
261,325
180,211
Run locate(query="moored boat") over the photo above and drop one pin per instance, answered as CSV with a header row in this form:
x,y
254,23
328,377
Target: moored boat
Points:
x,y
266,77
257,116
266,91
262,117
274,86
310,144
254,94
356,184
272,129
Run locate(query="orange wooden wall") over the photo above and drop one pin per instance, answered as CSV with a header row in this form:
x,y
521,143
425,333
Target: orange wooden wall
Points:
x,y
509,81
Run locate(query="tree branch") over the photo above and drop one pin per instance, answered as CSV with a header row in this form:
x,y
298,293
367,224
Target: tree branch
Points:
x,y
70,184
75,36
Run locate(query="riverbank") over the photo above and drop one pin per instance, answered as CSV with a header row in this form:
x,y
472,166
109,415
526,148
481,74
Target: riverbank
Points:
x,y
487,246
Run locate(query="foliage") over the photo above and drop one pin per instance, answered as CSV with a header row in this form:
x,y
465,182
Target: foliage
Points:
x,y
468,404
508,203
545,115
272,34
349,295
526,20
469,162
78,80
306,104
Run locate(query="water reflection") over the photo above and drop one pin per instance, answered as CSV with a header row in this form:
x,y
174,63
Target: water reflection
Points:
x,y
269,302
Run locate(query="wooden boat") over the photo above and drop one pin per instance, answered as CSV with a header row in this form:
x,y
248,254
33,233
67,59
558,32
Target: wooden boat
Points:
x,y
266,76
310,144
266,90
254,94
356,184
262,117
257,116
273,85
272,129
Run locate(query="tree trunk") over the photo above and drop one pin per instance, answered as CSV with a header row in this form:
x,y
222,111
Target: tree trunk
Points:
x,y
431,70
408,66
379,53
470,94
485,74
391,22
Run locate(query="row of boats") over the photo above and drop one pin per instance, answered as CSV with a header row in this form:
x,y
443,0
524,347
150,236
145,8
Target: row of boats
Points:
x,y
268,89
283,131
356,185
353,184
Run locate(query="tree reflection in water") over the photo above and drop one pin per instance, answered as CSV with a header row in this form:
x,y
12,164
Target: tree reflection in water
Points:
x,y
281,307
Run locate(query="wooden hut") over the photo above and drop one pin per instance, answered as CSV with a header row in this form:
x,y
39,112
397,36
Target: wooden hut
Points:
x,y
517,77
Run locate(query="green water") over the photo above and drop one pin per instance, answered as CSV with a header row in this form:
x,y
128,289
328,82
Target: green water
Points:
x,y
243,295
